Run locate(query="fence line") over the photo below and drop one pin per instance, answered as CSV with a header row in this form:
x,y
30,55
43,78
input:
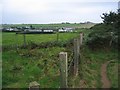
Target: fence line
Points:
x,y
64,68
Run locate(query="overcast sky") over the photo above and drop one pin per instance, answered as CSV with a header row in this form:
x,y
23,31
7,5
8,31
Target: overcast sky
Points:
x,y
54,11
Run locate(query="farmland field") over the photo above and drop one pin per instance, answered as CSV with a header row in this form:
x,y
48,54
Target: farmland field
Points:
x,y
59,44
25,65
38,64
12,38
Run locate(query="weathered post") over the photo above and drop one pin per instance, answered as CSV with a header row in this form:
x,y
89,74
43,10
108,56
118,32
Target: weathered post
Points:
x,y
81,38
63,69
34,86
57,35
76,55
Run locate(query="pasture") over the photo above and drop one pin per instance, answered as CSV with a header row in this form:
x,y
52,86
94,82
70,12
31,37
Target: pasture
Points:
x,y
39,64
25,65
12,38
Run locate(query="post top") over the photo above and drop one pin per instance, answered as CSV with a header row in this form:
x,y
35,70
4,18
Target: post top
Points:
x,y
34,84
63,53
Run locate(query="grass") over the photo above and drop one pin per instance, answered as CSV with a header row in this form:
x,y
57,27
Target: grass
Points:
x,y
27,65
90,68
93,62
112,72
41,65
13,39
9,39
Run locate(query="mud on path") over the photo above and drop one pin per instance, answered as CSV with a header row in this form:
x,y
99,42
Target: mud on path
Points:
x,y
105,81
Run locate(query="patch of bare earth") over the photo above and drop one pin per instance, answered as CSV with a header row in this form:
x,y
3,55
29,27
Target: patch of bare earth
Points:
x,y
105,81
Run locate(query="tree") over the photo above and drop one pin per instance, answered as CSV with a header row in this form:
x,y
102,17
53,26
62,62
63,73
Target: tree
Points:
x,y
109,18
112,20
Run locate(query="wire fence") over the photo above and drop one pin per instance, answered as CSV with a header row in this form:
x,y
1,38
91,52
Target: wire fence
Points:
x,y
73,65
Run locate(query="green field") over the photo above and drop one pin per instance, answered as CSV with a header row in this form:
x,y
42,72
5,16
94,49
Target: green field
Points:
x,y
42,64
12,38
27,65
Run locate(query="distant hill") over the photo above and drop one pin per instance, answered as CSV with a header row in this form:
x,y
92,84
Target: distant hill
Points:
x,y
51,26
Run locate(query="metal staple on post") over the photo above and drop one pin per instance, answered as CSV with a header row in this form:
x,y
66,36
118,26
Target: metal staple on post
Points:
x,y
63,68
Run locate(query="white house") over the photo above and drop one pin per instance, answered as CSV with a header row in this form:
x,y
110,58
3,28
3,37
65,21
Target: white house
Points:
x,y
66,30
47,30
10,29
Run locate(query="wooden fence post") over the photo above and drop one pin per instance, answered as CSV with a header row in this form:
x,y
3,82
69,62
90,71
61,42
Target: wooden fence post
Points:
x,y
57,35
34,86
76,55
63,69
81,38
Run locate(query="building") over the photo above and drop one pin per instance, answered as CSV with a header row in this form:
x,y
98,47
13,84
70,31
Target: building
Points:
x,y
29,31
47,30
66,29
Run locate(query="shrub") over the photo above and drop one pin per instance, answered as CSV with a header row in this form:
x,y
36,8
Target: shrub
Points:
x,y
105,34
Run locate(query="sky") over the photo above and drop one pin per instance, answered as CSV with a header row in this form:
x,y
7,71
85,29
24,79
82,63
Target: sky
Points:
x,y
54,11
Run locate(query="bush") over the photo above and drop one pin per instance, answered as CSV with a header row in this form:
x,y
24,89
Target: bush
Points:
x,y
102,37
105,34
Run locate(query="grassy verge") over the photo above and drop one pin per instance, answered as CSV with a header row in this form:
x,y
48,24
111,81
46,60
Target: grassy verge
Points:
x,y
90,68
112,72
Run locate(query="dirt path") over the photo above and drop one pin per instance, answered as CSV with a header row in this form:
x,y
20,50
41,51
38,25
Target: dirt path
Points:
x,y
104,79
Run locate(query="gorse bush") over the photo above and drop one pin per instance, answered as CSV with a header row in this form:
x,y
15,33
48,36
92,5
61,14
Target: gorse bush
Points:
x,y
101,37
105,35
